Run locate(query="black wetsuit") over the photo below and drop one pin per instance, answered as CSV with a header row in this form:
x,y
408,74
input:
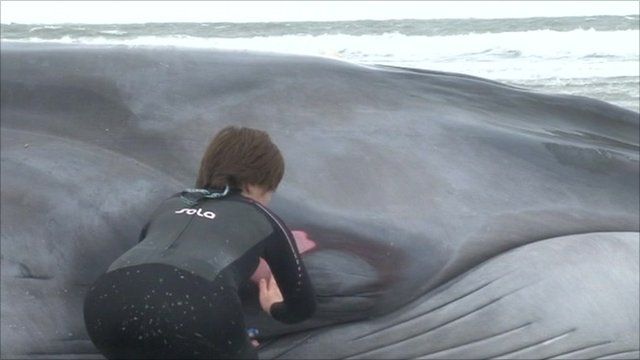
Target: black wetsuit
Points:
x,y
175,294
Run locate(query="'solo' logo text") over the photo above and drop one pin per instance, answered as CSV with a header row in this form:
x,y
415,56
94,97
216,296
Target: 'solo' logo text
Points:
x,y
207,214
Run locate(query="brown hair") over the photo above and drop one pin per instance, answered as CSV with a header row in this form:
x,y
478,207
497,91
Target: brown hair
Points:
x,y
239,156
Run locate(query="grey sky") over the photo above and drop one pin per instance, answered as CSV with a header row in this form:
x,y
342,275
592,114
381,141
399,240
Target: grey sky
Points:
x,y
52,12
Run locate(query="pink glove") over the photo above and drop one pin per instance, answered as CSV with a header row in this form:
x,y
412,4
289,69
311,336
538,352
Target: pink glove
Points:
x,y
302,241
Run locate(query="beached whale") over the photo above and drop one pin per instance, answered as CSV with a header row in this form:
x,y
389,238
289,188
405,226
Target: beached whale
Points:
x,y
453,216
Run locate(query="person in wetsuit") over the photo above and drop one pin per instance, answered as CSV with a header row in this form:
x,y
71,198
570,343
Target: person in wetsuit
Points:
x,y
175,294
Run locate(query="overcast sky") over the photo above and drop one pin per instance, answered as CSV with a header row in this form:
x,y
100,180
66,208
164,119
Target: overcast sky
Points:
x,y
52,12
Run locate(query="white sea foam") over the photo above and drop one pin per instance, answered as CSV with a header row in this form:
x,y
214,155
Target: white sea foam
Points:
x,y
113,32
507,55
527,57
49,27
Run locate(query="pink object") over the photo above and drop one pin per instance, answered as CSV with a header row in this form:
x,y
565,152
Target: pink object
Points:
x,y
303,243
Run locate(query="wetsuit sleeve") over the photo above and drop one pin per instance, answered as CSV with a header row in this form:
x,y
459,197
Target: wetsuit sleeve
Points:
x,y
281,253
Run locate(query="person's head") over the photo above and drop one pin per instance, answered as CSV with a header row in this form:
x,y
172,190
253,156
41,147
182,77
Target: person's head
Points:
x,y
245,159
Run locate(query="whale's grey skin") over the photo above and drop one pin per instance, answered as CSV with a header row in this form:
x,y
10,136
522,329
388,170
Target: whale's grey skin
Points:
x,y
536,301
417,186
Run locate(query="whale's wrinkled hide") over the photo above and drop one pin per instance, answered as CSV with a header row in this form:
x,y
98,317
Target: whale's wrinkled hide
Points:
x,y
453,216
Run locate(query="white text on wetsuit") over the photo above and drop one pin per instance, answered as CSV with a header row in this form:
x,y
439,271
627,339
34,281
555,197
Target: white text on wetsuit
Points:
x,y
207,214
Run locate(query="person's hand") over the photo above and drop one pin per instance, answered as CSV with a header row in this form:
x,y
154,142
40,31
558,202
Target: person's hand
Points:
x,y
269,294
263,271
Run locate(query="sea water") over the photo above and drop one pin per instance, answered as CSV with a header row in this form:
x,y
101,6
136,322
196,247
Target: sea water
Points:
x,y
596,56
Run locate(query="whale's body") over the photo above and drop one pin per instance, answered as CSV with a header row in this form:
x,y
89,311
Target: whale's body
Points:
x,y
453,216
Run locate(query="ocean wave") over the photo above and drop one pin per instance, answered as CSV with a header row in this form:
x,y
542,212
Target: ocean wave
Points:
x,y
433,27
541,43
517,55
113,32
45,27
506,50
495,61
